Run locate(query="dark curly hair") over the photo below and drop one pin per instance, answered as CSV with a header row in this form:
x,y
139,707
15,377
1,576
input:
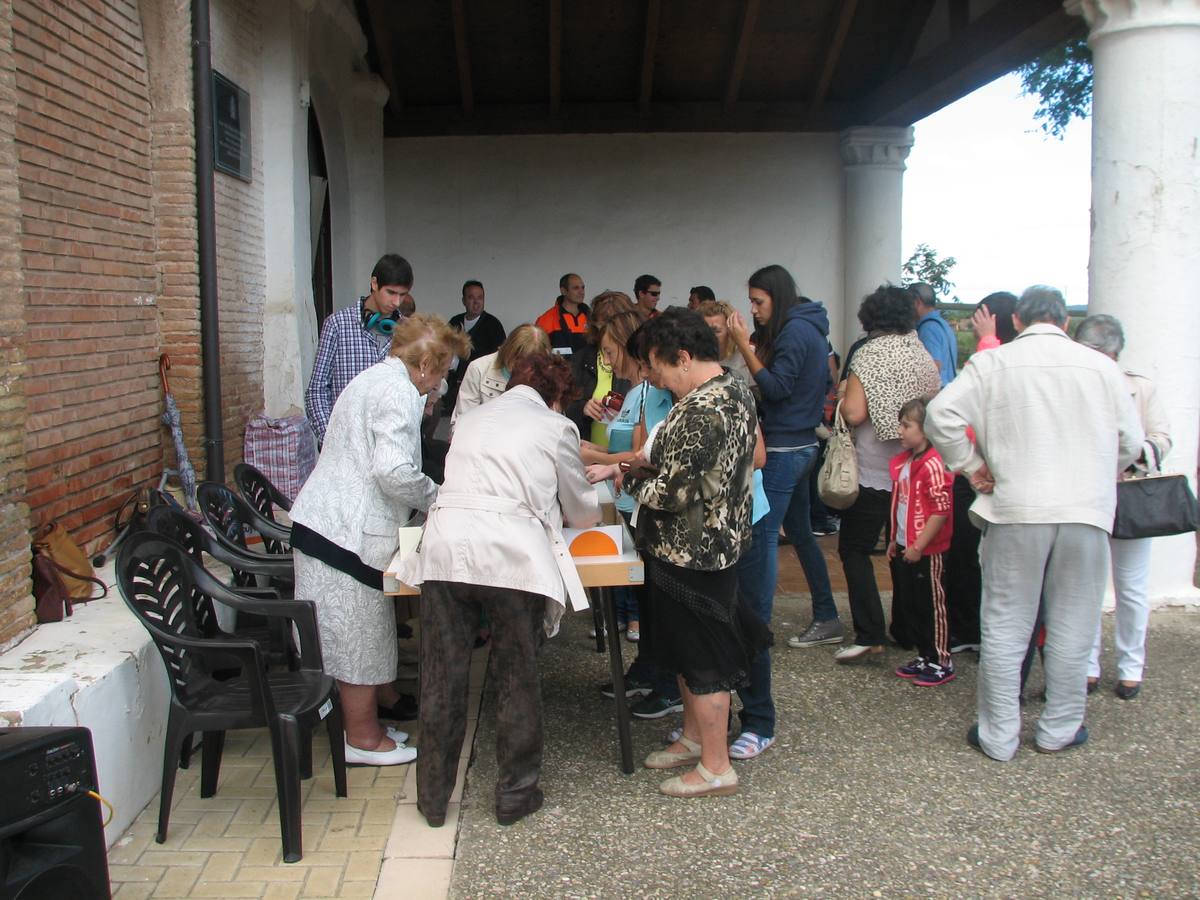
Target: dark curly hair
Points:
x,y
889,310
548,374
677,329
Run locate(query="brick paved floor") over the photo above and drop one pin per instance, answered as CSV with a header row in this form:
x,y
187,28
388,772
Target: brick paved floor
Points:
x,y
372,843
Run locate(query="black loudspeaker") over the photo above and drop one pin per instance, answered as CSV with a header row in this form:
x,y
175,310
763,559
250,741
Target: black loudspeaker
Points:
x,y
51,837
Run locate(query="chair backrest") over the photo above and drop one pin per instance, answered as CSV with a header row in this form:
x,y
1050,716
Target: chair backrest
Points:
x,y
185,531
232,517
155,581
258,491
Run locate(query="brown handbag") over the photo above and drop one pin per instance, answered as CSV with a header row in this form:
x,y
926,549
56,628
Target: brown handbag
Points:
x,y
62,574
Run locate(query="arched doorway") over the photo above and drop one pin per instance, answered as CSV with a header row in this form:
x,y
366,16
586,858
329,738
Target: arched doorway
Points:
x,y
319,221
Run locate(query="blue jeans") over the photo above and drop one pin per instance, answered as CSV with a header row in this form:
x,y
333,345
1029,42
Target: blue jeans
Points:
x,y
785,479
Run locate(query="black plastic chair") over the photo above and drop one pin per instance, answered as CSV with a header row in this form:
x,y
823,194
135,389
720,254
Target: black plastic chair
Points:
x,y
173,598
249,570
230,516
258,491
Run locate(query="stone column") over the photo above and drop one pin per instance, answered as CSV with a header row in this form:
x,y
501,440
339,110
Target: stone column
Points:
x,y
874,162
1145,254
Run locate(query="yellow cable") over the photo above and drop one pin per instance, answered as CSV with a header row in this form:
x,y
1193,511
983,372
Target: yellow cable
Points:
x,y
111,812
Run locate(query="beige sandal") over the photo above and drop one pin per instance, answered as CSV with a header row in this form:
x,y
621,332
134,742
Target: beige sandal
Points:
x,y
664,759
712,786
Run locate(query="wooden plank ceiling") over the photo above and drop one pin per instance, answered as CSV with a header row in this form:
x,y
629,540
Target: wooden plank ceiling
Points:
x,y
574,66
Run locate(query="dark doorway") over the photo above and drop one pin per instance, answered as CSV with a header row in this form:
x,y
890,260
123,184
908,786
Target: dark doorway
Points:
x,y
318,181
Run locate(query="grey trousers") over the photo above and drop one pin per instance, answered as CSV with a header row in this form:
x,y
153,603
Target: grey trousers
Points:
x,y
1066,564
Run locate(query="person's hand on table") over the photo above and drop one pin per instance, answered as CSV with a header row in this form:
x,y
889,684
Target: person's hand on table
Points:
x,y
598,472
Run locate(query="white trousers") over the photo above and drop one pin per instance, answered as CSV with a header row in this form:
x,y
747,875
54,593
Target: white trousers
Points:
x,y
1066,566
1131,573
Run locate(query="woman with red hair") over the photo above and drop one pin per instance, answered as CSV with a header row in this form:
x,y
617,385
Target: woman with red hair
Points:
x,y
493,545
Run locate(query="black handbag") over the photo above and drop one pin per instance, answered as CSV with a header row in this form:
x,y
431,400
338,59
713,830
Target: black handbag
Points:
x,y
1155,505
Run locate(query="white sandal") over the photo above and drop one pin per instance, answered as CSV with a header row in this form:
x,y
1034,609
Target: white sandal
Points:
x,y
749,745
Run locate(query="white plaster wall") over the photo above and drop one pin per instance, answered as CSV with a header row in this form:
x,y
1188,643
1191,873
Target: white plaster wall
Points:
x,y
518,212
100,670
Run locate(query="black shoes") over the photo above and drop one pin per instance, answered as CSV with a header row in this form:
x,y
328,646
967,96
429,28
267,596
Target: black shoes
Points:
x,y
1081,738
1126,691
510,814
403,710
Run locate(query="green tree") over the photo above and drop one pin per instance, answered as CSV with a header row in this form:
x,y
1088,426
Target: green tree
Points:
x,y
1061,80
925,266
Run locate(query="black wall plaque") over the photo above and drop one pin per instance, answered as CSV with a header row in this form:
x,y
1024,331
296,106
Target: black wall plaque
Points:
x,y
231,128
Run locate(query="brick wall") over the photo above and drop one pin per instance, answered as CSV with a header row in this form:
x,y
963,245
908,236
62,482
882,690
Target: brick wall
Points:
x,y
83,148
241,249
16,606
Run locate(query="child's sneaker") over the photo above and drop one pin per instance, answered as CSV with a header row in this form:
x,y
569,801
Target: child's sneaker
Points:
x,y
933,675
912,668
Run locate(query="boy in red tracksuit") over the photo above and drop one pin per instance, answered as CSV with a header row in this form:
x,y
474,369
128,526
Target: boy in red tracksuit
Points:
x,y
922,522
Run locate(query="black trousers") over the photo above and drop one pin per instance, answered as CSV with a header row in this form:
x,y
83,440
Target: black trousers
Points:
x,y
919,616
964,579
449,621
861,526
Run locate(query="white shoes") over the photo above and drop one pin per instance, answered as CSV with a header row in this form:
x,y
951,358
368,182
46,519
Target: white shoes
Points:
x,y
396,734
356,756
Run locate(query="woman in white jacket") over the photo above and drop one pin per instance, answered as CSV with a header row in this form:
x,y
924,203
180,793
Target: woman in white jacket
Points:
x,y
487,377
366,484
1130,558
492,544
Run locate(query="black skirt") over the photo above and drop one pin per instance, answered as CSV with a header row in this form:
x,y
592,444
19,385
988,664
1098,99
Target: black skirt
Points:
x,y
694,623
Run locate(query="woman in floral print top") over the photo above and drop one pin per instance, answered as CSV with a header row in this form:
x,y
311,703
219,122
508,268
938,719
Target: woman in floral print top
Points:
x,y
692,524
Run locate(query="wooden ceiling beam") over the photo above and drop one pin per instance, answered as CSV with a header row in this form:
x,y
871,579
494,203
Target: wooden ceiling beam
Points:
x,y
833,54
741,53
915,20
1008,34
556,36
653,13
463,55
959,13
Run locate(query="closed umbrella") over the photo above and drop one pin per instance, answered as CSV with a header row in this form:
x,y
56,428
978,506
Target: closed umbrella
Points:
x,y
171,418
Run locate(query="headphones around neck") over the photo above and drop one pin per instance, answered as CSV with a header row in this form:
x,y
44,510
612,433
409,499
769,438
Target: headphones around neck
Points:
x,y
378,322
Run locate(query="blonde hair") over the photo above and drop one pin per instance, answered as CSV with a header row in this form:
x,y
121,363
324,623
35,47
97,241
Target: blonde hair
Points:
x,y
710,309
524,340
424,339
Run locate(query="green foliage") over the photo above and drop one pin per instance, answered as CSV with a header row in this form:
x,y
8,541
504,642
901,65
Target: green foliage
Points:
x,y
925,266
1061,79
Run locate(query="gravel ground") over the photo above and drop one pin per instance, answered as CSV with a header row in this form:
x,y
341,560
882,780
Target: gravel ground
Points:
x,y
869,791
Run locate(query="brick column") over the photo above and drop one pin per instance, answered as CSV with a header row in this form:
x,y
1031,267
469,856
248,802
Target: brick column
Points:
x,y
16,605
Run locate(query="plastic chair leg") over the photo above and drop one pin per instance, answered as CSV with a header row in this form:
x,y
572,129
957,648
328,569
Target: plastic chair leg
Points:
x,y
285,751
305,754
337,746
210,762
176,733
185,755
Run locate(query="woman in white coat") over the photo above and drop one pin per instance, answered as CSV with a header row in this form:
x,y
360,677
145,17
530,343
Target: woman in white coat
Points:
x,y
487,377
366,484
492,544
1130,558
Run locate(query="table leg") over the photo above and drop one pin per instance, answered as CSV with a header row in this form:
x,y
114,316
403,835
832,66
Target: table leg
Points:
x,y
598,620
608,604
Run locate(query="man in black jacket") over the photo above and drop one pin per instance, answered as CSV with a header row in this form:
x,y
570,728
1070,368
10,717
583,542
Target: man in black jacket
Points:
x,y
484,329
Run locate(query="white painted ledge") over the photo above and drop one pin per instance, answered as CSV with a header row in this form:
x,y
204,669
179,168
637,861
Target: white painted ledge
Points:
x,y
100,670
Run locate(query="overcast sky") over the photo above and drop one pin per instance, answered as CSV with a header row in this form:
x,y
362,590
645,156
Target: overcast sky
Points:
x,y
1012,206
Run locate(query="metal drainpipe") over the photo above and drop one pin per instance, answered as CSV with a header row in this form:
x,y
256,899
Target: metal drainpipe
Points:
x,y
210,345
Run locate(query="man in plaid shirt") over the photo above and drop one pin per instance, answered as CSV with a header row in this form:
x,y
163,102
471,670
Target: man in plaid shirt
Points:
x,y
355,338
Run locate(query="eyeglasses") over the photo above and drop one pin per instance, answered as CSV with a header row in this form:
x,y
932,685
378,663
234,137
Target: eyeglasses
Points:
x,y
653,293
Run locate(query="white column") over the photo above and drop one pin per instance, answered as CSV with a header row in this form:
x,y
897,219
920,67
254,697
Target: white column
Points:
x,y
1145,254
874,162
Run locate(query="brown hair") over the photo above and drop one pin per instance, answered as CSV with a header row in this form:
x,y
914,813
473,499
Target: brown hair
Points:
x,y
619,328
605,305
914,411
548,374
525,339
424,339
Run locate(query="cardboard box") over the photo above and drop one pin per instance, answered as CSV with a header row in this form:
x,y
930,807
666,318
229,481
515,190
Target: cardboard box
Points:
x,y
603,540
